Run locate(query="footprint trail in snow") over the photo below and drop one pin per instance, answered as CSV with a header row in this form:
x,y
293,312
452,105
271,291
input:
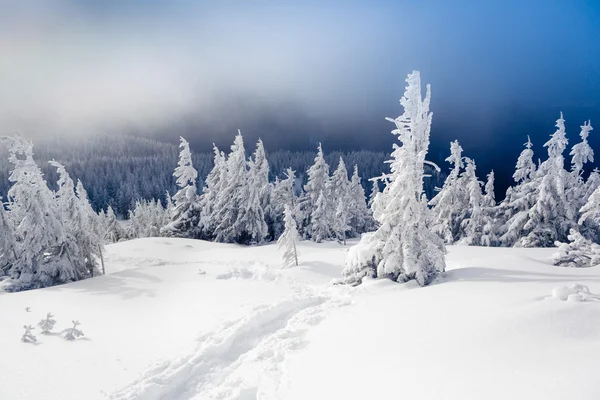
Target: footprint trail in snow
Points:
x,y
244,359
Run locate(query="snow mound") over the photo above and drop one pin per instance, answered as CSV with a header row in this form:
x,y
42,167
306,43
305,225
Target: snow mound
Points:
x,y
575,293
259,272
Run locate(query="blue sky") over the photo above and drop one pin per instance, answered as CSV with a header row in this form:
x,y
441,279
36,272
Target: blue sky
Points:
x,y
297,72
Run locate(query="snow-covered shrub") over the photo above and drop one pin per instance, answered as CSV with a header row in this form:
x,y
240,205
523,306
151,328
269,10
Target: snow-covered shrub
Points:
x,y
28,337
73,333
47,324
575,292
579,252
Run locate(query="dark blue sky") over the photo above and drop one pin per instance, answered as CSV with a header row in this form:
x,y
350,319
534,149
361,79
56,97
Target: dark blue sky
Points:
x,y
295,73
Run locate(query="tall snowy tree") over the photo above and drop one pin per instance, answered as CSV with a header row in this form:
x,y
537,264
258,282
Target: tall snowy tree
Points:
x,y
581,153
318,178
282,195
211,193
113,232
39,232
513,211
8,243
361,219
341,223
403,247
289,239
451,203
321,220
472,225
186,214
374,191
76,228
238,213
550,219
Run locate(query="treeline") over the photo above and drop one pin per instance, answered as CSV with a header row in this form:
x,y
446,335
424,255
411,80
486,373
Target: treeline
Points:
x,y
121,170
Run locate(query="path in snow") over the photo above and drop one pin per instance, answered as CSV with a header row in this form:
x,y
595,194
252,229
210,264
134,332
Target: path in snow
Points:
x,y
243,359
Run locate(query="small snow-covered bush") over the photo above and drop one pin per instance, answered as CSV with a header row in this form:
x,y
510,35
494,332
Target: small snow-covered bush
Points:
x,y
28,337
73,333
575,292
579,252
47,324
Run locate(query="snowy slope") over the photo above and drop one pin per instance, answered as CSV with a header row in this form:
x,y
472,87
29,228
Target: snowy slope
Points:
x,y
183,319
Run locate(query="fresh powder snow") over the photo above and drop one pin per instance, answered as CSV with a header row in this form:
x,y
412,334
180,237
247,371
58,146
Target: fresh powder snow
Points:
x,y
188,319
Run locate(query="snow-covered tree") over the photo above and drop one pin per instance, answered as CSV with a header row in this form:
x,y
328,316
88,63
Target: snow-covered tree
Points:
x,y
113,232
28,337
8,243
341,223
39,230
550,218
289,239
582,153
282,195
578,252
318,178
361,219
185,218
238,213
490,214
211,193
321,220
450,205
403,247
472,225
374,191
513,211
77,231
73,333
91,237
47,324
590,216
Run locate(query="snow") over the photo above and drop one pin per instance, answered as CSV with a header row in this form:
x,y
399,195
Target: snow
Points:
x,y
188,319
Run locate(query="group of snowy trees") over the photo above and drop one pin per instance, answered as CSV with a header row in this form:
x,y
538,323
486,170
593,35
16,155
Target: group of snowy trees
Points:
x,y
238,203
46,237
545,204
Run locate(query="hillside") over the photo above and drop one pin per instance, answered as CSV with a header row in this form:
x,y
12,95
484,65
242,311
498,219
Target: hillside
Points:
x,y
182,319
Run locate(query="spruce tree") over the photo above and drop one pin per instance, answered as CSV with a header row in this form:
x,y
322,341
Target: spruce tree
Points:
x,y
403,247
289,239
450,205
185,218
361,219
550,219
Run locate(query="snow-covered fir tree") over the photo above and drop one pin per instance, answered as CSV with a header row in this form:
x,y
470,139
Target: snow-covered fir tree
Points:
x,y
39,261
185,217
361,219
551,217
211,193
113,231
91,238
513,211
450,205
317,183
289,239
403,247
581,153
238,213
472,226
282,195
341,223
8,243
490,213
589,219
321,220
78,232
374,191
578,252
